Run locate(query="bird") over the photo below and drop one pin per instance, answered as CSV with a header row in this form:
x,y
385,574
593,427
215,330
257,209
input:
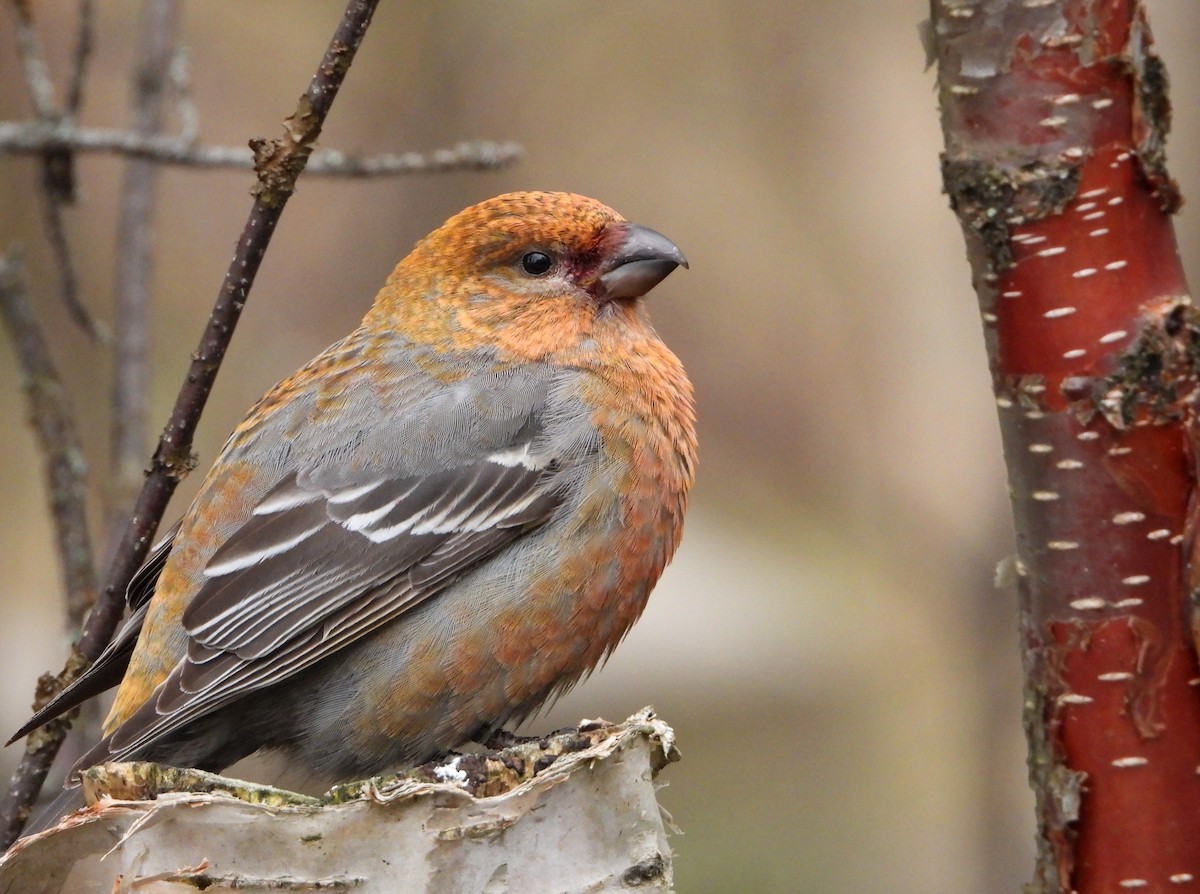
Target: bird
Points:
x,y
435,527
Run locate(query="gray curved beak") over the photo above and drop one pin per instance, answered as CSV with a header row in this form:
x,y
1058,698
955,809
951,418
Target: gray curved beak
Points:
x,y
640,259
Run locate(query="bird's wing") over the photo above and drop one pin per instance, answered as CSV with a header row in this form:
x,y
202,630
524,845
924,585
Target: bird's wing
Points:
x,y
325,558
109,667
141,586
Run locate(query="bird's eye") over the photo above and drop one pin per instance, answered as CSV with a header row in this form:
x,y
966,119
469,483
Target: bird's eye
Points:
x,y
536,263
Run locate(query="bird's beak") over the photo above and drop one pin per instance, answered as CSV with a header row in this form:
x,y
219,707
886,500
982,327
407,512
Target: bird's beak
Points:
x,y
638,259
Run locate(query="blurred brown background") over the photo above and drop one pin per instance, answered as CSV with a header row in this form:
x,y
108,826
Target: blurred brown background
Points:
x,y
842,676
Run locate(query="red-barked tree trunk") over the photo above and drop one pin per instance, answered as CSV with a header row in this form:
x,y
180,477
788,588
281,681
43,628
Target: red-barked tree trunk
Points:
x,y
1054,114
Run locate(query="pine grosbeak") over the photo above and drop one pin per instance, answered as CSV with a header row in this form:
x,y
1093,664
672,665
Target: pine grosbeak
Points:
x,y
441,522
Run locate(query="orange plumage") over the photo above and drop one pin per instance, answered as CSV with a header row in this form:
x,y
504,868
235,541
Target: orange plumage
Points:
x,y
436,525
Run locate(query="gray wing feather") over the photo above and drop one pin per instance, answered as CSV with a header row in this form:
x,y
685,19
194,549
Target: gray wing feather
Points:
x,y
212,677
326,557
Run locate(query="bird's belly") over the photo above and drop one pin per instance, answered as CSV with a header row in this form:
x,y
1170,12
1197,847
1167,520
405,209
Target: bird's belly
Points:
x,y
491,649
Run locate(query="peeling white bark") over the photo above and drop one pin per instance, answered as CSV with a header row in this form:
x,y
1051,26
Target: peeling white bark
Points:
x,y
587,821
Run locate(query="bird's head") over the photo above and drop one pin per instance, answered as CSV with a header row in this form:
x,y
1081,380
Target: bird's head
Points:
x,y
529,272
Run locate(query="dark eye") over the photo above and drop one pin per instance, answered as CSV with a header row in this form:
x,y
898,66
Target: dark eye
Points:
x,y
535,263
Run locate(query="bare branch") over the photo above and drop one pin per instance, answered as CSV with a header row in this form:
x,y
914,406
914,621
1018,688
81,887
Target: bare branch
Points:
x,y
58,176
32,137
68,280
37,75
180,75
52,419
280,162
53,423
477,155
80,58
157,32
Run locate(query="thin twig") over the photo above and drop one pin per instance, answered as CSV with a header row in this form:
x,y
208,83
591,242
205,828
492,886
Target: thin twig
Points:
x,y
84,40
180,75
58,174
280,162
32,137
52,419
68,281
37,74
157,31
477,155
